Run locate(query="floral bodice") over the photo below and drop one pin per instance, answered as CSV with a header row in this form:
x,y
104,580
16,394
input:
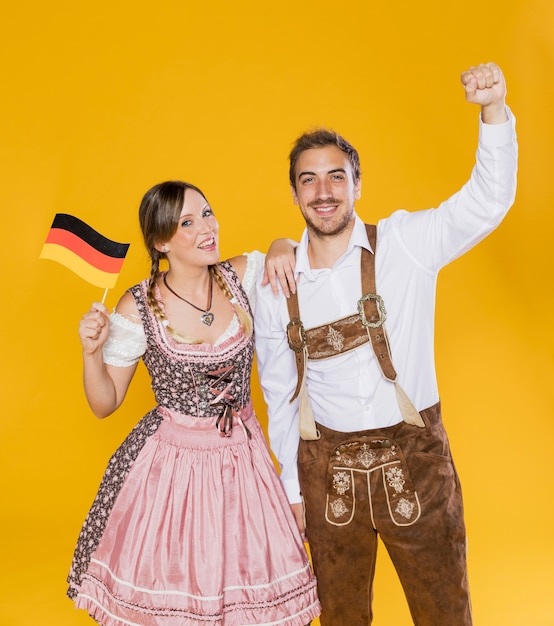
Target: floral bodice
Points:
x,y
197,379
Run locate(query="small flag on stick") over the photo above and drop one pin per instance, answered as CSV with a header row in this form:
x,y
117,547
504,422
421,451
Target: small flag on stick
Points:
x,y
83,250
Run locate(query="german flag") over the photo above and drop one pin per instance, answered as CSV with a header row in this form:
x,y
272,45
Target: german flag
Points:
x,y
83,250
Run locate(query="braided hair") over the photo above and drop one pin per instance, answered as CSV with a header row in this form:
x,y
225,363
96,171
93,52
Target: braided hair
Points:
x,y
159,214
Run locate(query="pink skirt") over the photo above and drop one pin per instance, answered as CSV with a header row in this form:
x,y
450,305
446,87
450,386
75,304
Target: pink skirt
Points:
x,y
200,533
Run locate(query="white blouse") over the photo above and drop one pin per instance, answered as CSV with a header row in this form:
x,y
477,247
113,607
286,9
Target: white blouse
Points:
x,y
127,341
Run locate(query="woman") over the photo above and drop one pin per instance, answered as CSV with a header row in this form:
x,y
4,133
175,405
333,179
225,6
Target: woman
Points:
x,y
190,524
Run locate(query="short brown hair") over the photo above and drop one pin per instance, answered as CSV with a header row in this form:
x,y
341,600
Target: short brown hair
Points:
x,y
320,138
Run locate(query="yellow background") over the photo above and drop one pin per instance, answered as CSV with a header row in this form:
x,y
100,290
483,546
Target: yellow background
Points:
x,y
100,100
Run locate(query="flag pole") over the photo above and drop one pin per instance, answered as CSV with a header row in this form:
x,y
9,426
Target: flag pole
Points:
x,y
105,294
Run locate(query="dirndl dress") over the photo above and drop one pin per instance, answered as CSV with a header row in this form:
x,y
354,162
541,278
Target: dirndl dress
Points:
x,y
190,527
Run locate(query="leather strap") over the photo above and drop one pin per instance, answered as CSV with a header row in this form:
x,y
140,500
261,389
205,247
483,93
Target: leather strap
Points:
x,y
372,305
297,340
347,333
343,335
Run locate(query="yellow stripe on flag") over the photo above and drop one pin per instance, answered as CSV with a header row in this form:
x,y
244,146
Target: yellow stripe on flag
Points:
x,y
69,259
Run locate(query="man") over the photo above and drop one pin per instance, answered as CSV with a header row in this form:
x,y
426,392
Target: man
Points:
x,y
373,458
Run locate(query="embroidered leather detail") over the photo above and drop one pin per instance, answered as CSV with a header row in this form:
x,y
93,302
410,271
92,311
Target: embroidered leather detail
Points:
x,y
341,482
395,478
368,454
338,508
405,508
335,339
356,464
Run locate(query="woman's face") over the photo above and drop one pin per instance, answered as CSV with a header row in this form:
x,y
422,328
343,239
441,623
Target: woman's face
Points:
x,y
196,240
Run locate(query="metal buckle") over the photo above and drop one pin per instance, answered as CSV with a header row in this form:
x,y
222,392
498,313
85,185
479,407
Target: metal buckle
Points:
x,y
380,308
301,332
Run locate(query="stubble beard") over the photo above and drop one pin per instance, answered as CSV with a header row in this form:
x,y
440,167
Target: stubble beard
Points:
x,y
330,229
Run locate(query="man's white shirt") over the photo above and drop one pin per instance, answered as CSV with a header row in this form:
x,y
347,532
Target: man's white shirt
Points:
x,y
348,392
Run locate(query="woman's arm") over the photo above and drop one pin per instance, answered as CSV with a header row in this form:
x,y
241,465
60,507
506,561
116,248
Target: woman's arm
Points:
x,y
105,385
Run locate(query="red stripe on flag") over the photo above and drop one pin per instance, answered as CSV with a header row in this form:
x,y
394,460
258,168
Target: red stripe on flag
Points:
x,y
81,248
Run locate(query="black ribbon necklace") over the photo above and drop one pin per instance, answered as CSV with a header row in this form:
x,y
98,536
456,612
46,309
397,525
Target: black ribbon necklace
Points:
x,y
206,317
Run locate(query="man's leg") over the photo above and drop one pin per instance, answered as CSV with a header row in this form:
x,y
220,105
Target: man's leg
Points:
x,y
343,556
429,555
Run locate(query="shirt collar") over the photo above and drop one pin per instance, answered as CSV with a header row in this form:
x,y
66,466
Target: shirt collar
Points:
x,y
358,239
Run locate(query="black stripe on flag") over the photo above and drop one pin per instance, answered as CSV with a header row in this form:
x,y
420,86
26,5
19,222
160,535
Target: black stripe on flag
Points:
x,y
74,225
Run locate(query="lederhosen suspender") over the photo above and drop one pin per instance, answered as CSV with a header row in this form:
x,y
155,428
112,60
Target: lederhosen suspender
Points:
x,y
343,335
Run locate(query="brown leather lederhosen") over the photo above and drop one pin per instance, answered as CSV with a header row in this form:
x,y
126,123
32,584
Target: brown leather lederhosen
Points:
x,y
397,482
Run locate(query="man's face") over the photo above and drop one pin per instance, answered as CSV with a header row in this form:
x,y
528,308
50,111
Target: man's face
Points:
x,y
325,190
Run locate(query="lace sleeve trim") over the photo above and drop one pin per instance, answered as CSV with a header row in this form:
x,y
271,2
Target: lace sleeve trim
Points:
x,y
254,266
126,343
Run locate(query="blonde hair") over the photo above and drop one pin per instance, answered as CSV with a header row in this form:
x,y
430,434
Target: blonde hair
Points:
x,y
158,216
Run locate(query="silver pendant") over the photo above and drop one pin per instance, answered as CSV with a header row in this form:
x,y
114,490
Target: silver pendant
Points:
x,y
207,318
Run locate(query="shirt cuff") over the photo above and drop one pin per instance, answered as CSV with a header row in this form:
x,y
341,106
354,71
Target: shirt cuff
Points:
x,y
292,490
498,134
